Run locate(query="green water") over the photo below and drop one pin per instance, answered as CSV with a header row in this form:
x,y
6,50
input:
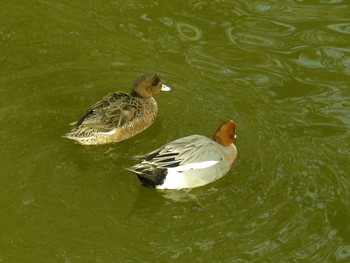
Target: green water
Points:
x,y
280,69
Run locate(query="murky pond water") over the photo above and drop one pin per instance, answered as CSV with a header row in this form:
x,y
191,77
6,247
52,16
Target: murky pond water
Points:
x,y
280,69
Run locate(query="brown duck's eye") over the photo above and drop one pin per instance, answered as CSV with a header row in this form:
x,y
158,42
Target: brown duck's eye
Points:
x,y
155,82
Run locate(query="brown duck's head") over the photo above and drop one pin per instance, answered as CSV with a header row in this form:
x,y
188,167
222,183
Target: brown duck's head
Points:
x,y
225,134
147,85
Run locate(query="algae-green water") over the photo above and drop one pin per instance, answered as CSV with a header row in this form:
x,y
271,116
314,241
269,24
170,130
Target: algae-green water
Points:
x,y
280,69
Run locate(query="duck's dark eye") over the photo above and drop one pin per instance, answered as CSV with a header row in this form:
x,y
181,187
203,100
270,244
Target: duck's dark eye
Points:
x,y
155,81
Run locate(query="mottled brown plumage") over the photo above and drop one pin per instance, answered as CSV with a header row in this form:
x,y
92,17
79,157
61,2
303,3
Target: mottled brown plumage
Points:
x,y
119,115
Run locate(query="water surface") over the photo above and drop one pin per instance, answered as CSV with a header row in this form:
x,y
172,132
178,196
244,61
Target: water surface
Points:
x,y
280,69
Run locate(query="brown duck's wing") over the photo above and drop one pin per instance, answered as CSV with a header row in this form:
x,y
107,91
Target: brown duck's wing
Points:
x,y
113,111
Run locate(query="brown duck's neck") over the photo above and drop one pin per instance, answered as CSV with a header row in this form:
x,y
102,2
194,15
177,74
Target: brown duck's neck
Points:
x,y
135,94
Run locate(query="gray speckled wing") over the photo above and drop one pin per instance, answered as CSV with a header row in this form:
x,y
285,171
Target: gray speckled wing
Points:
x,y
190,149
185,163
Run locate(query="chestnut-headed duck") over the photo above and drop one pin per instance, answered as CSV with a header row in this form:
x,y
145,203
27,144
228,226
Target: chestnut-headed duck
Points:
x,y
189,162
119,116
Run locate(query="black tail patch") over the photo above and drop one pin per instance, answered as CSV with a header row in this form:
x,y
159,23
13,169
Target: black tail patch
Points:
x,y
152,178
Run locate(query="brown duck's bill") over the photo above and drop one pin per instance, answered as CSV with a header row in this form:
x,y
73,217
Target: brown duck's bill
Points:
x,y
165,88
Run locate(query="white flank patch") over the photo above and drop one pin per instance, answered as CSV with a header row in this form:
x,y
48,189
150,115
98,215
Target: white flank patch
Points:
x,y
109,132
175,179
190,166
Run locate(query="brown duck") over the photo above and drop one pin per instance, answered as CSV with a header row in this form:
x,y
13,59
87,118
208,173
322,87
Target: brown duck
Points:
x,y
119,116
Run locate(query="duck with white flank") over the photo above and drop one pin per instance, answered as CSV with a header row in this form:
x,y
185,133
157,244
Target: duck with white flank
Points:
x,y
189,162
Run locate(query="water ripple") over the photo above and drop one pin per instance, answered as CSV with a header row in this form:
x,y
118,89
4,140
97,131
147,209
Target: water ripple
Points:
x,y
294,11
188,32
342,253
248,32
319,37
343,28
267,27
332,58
